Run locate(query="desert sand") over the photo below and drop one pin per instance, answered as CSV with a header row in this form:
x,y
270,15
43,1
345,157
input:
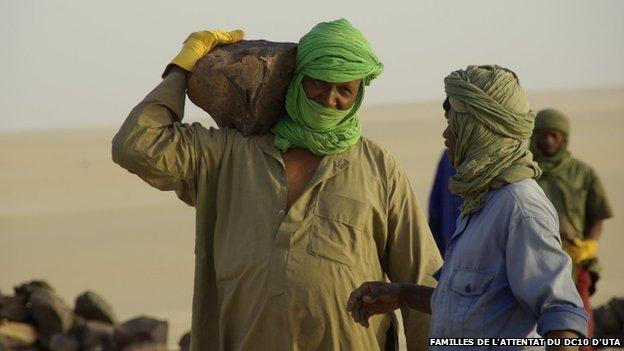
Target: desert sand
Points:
x,y
69,215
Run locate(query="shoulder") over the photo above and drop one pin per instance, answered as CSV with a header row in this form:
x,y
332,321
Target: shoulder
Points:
x,y
584,170
370,158
580,165
371,152
370,147
230,141
212,132
580,172
235,137
523,200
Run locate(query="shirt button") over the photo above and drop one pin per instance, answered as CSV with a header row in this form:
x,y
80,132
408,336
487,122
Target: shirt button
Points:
x,y
280,212
468,288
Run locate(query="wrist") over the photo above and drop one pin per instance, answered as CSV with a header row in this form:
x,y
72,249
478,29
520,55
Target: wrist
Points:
x,y
404,293
172,68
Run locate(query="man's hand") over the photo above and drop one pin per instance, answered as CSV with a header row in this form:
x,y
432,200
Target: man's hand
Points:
x,y
373,298
199,44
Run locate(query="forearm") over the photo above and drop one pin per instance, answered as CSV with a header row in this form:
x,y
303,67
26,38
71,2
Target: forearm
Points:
x,y
416,297
562,334
595,230
152,143
165,103
161,108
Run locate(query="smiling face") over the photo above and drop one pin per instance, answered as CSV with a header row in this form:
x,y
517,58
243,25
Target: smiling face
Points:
x,y
340,96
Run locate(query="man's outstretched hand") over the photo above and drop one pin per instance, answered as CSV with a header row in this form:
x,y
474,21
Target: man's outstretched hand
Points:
x,y
199,44
373,298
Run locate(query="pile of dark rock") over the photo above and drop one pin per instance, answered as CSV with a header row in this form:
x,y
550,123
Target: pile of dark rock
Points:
x,y
609,320
36,318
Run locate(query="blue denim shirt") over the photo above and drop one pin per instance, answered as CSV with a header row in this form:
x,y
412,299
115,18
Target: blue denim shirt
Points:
x,y
505,274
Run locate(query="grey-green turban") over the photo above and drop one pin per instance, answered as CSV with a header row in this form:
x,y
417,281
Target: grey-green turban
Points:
x,y
491,118
556,168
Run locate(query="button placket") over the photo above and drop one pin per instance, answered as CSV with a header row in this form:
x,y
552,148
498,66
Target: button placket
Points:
x,y
281,240
292,219
279,256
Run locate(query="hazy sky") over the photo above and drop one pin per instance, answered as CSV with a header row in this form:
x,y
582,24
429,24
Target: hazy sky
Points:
x,y
87,63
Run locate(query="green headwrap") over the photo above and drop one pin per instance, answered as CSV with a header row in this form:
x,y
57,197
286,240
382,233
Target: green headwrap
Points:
x,y
553,119
334,52
491,118
556,168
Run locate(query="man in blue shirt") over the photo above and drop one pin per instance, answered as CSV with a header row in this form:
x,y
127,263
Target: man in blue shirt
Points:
x,y
505,274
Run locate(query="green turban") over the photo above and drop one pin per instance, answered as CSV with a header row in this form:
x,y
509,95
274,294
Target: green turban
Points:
x,y
334,52
491,119
557,164
556,168
553,119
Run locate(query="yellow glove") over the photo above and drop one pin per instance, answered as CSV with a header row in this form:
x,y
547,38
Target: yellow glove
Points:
x,y
200,43
581,250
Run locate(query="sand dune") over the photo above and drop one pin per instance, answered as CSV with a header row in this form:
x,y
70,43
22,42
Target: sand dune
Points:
x,y
71,216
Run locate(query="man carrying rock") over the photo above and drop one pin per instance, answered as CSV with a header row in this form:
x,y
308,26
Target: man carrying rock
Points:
x,y
289,222
578,196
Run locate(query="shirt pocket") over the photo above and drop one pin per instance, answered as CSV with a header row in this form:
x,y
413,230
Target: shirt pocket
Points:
x,y
338,231
467,288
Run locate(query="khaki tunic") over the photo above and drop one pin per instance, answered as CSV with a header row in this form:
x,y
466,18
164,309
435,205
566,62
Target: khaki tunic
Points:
x,y
582,183
590,203
267,278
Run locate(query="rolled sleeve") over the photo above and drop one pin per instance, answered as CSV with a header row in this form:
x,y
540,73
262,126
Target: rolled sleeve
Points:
x,y
540,276
553,318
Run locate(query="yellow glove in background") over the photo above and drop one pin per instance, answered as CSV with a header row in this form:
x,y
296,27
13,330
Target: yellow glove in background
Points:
x,y
580,250
200,43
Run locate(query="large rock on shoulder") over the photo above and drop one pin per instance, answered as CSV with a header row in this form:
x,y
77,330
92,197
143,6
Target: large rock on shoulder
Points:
x,y
243,85
92,306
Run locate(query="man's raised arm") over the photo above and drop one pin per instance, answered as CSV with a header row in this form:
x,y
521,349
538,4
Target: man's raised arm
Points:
x,y
153,143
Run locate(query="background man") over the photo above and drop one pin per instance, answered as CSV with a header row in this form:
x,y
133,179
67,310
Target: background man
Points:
x,y
577,194
443,205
